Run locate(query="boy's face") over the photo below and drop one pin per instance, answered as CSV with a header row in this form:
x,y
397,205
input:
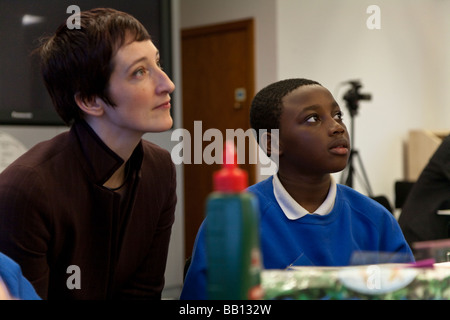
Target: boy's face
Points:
x,y
313,137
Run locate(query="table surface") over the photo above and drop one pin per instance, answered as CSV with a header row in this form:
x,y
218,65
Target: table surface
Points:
x,y
368,282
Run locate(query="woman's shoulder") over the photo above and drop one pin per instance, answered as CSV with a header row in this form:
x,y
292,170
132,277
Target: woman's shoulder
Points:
x,y
153,149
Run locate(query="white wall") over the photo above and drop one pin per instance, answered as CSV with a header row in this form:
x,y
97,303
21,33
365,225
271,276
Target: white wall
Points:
x,y
404,65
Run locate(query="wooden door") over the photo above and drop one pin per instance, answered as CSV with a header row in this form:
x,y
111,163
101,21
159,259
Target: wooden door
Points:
x,y
218,85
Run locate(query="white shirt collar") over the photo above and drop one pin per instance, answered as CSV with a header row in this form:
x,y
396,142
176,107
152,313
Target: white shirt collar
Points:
x,y
292,209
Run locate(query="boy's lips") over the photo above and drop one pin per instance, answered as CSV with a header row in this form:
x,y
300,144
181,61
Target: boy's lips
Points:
x,y
339,147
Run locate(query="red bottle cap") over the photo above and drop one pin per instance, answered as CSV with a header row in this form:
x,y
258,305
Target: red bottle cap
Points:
x,y
230,178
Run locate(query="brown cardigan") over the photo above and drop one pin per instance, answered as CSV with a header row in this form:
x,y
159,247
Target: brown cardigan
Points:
x,y
55,213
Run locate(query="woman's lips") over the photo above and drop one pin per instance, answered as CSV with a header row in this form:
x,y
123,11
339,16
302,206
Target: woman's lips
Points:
x,y
165,105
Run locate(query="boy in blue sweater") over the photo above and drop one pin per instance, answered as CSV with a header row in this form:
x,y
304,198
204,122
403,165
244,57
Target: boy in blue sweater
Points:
x,y
307,219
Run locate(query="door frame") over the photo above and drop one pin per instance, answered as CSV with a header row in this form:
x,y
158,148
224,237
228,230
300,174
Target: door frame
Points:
x,y
248,26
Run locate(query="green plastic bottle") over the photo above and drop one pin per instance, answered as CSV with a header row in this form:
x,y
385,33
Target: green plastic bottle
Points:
x,y
232,235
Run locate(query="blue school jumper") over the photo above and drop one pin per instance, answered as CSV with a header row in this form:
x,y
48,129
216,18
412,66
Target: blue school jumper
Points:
x,y
356,223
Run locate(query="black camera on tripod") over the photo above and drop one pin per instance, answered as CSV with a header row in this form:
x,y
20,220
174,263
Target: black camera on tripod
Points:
x,y
353,96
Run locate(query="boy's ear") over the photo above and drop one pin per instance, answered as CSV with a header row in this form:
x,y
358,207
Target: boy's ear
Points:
x,y
91,106
270,143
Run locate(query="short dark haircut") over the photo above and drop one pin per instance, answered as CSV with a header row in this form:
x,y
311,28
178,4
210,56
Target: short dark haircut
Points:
x,y
80,60
266,107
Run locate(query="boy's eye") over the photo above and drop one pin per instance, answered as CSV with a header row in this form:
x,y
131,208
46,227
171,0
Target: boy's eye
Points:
x,y
312,118
339,115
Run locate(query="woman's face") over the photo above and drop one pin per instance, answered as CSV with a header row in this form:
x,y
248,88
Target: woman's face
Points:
x,y
140,90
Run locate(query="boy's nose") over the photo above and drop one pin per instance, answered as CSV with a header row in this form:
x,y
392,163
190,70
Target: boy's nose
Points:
x,y
337,128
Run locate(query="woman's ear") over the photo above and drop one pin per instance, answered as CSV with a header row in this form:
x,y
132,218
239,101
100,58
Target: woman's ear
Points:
x,y
91,106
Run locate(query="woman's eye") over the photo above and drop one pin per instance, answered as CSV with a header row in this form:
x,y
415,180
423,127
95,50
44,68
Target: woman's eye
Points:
x,y
140,72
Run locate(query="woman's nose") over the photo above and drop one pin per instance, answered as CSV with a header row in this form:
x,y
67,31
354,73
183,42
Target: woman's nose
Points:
x,y
165,84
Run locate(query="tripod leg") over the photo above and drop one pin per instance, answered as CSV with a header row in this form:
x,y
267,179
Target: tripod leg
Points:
x,y
349,180
347,173
366,179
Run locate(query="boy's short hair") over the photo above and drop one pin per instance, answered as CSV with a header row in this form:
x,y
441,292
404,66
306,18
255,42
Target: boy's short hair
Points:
x,y
266,107
80,60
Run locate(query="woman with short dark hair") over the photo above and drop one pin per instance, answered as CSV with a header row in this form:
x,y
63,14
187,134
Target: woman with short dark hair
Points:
x,y
88,214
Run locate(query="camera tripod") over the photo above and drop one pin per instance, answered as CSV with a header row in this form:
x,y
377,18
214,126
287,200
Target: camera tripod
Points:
x,y
352,98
